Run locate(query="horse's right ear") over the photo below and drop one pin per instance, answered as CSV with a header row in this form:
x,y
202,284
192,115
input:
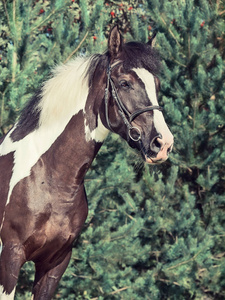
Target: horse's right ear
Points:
x,y
115,42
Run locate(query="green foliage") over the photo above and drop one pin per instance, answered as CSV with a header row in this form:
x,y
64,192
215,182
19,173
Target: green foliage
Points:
x,y
152,232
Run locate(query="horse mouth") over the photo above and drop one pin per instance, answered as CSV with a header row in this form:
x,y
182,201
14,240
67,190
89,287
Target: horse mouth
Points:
x,y
152,161
161,157
147,158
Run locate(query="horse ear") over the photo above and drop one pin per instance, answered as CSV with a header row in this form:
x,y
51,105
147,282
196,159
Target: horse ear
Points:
x,y
115,42
152,40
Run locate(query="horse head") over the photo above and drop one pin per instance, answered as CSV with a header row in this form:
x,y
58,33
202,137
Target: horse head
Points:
x,y
131,105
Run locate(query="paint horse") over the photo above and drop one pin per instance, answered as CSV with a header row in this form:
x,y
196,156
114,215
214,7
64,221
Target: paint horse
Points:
x,y
46,154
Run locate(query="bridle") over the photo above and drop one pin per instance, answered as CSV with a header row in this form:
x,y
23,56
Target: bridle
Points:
x,y
134,133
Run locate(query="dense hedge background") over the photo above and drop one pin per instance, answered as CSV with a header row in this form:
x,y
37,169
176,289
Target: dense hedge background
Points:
x,y
152,232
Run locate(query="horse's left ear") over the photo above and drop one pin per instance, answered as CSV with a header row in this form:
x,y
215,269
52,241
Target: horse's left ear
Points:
x,y
115,42
152,40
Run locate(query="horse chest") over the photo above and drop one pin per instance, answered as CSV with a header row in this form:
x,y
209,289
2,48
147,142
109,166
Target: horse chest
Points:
x,y
42,227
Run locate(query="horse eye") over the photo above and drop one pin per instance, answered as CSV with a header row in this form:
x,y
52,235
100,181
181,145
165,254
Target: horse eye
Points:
x,y
124,84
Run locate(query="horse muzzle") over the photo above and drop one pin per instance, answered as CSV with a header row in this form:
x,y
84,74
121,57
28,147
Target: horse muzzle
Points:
x,y
160,149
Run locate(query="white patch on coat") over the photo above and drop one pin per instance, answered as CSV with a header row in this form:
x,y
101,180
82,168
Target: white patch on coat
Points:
x,y
159,122
64,95
99,134
4,296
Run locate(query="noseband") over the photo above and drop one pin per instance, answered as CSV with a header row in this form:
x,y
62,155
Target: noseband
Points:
x,y
134,132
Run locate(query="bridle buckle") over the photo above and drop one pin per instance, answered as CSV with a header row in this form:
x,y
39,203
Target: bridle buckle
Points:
x,y
134,134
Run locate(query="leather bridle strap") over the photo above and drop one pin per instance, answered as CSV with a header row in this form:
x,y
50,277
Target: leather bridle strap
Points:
x,y
141,111
134,133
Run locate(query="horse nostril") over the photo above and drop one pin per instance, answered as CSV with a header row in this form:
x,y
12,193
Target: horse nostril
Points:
x,y
156,144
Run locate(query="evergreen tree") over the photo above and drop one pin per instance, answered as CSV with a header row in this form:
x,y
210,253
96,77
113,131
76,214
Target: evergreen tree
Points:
x,y
152,232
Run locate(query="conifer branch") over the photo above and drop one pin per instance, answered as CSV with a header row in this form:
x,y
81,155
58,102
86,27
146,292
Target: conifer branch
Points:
x,y
78,47
14,63
14,11
6,12
130,217
167,281
120,290
217,131
14,55
43,21
184,262
177,62
115,292
170,31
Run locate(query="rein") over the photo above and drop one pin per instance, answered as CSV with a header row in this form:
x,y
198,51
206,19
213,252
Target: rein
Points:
x,y
134,132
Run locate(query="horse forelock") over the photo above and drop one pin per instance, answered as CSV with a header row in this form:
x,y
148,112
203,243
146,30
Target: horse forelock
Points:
x,y
132,55
140,55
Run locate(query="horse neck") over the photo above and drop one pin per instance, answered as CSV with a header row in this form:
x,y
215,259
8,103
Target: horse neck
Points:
x,y
64,148
72,153
75,148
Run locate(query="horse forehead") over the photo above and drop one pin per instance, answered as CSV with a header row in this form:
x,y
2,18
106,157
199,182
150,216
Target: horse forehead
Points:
x,y
148,80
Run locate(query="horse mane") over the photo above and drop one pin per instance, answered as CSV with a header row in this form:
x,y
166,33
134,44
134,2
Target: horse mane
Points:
x,y
61,96
65,92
